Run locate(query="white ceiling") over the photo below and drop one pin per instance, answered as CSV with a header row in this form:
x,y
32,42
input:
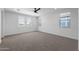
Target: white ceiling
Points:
x,y
27,11
30,11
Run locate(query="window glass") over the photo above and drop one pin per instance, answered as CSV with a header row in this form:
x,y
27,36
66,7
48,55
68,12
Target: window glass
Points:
x,y
21,20
64,22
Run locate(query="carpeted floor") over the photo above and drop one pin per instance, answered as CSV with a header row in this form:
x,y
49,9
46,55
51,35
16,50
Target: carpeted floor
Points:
x,y
38,41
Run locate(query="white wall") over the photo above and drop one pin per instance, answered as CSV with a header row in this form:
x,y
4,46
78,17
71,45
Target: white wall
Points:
x,y
10,23
50,22
0,25
78,28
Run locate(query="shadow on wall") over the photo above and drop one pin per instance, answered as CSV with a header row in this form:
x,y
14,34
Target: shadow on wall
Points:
x,y
0,40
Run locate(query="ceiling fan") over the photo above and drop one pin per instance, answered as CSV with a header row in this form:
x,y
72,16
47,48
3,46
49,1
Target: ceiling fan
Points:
x,y
36,10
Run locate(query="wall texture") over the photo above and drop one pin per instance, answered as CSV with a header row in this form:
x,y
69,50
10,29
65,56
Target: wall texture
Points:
x,y
50,22
10,23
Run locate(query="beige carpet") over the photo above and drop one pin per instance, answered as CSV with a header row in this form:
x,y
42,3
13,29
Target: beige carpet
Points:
x,y
38,41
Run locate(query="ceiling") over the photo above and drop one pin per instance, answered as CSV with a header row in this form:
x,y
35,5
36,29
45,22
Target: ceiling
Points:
x,y
30,11
27,11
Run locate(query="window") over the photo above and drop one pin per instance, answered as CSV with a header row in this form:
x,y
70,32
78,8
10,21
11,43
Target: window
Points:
x,y
21,20
28,20
64,22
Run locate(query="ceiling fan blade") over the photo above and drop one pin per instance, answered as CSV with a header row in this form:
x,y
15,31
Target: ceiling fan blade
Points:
x,y
35,10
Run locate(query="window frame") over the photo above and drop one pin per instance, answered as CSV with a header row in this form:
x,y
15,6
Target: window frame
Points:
x,y
21,21
64,22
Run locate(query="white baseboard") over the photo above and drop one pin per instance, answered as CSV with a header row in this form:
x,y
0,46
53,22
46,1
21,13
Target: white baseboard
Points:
x,y
59,35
